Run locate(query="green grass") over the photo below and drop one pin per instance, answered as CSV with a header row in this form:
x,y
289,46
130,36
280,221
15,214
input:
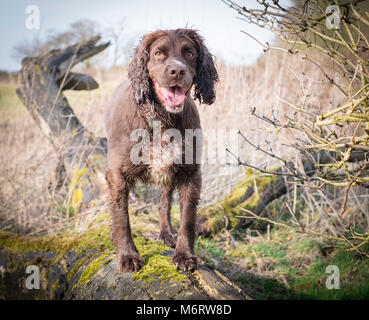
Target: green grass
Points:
x,y
210,246
288,266
354,275
10,105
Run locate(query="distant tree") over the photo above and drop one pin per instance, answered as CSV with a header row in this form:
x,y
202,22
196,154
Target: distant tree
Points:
x,y
80,30
116,34
122,45
27,48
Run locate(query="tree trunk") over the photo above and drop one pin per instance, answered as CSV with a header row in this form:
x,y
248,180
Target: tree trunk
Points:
x,y
42,82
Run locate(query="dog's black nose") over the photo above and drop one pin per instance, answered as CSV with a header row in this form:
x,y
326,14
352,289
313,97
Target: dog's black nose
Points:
x,y
176,71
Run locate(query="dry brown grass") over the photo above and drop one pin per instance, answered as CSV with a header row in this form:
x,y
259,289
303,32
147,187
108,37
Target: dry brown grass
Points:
x,y
28,159
276,80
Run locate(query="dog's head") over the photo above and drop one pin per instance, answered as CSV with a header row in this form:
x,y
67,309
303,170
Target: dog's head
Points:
x,y
167,63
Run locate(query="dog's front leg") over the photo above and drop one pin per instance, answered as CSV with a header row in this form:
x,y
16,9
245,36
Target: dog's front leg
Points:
x,y
189,194
128,258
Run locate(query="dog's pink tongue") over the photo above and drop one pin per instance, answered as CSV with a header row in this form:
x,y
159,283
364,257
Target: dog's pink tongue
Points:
x,y
174,97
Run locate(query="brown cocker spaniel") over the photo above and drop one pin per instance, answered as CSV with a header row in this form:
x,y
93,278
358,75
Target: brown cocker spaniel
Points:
x,y
165,66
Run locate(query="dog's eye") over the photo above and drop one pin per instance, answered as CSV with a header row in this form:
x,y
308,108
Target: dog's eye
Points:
x,y
189,54
158,53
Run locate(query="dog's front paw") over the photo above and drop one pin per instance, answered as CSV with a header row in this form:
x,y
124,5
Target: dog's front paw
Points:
x,y
168,238
185,262
129,262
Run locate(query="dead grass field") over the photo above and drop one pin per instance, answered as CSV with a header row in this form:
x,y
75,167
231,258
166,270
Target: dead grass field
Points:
x,y
275,86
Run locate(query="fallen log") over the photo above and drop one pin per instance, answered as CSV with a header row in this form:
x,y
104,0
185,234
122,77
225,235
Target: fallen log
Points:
x,y
81,265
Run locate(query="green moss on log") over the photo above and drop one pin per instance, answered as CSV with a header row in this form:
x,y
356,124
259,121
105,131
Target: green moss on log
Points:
x,y
156,265
93,267
15,243
226,212
76,267
95,238
94,249
159,267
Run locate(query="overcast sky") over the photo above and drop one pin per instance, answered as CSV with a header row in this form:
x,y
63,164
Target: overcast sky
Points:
x,y
215,21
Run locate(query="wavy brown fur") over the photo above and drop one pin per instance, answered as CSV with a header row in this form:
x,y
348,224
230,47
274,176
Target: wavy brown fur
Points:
x,y
130,109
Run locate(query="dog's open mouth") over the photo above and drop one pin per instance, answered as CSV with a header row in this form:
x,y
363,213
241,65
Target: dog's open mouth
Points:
x,y
173,96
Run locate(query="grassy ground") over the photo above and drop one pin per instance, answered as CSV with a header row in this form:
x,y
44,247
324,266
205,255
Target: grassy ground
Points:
x,y
274,264
285,265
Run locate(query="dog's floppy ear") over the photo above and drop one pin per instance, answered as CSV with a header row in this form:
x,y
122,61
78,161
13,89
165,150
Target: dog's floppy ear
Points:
x,y
137,69
138,74
206,75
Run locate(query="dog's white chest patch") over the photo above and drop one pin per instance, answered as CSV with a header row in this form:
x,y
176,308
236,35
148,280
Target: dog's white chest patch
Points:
x,y
163,158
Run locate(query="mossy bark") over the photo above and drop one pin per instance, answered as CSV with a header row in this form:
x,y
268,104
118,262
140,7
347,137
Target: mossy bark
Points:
x,y
248,194
83,266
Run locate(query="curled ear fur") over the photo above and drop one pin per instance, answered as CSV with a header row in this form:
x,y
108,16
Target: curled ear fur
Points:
x,y
207,75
